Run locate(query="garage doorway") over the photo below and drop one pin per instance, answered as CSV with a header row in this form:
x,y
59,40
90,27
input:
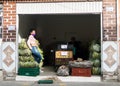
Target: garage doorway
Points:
x,y
58,22
58,29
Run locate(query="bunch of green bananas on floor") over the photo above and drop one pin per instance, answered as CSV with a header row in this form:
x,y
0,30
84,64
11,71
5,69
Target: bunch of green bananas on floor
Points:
x,y
26,59
23,44
25,52
28,64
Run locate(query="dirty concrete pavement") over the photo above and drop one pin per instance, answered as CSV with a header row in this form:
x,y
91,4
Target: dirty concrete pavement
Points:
x,y
20,83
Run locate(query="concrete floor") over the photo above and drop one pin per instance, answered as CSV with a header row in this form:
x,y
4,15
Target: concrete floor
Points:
x,y
1,75
58,80
16,83
49,72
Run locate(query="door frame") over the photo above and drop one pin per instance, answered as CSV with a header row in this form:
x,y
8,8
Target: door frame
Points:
x,y
1,15
118,30
99,11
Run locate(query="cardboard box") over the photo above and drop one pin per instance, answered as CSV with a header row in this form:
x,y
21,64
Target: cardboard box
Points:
x,y
63,54
62,61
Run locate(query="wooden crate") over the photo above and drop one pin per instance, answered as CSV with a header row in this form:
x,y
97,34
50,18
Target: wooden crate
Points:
x,y
81,72
62,57
62,61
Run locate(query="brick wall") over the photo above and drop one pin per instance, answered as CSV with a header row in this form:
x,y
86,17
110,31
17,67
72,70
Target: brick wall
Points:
x,y
109,20
9,10
119,36
9,14
50,0
119,17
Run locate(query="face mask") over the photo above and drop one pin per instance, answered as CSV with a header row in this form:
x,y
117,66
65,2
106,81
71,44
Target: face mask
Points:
x,y
33,34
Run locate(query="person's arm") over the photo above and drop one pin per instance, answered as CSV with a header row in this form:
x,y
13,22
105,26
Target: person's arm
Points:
x,y
28,43
37,42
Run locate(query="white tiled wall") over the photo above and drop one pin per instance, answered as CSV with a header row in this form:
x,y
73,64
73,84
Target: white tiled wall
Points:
x,y
109,56
0,54
8,47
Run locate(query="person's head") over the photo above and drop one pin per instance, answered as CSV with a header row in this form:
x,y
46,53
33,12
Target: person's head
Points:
x,y
32,32
73,39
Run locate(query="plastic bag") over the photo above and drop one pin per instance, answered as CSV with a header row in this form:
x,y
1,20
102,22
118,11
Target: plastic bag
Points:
x,y
63,71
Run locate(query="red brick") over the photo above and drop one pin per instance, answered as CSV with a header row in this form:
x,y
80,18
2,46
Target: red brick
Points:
x,y
4,36
109,20
14,33
14,12
50,0
11,31
4,40
13,40
5,12
6,23
5,29
12,37
13,9
8,40
6,33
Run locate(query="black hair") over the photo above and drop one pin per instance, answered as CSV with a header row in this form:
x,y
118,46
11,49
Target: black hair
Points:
x,y
73,38
31,29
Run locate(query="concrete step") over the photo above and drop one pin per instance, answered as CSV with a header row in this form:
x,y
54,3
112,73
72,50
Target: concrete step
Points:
x,y
1,75
60,78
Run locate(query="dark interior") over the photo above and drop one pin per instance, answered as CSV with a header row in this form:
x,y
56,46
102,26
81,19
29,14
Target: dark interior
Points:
x,y
58,28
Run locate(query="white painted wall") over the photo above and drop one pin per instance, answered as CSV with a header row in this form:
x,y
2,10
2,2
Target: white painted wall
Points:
x,y
56,8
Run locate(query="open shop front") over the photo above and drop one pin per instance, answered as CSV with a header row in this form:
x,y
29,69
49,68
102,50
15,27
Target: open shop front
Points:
x,y
55,28
54,32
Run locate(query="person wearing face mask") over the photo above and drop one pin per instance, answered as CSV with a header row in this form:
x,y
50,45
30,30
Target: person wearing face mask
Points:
x,y
32,44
